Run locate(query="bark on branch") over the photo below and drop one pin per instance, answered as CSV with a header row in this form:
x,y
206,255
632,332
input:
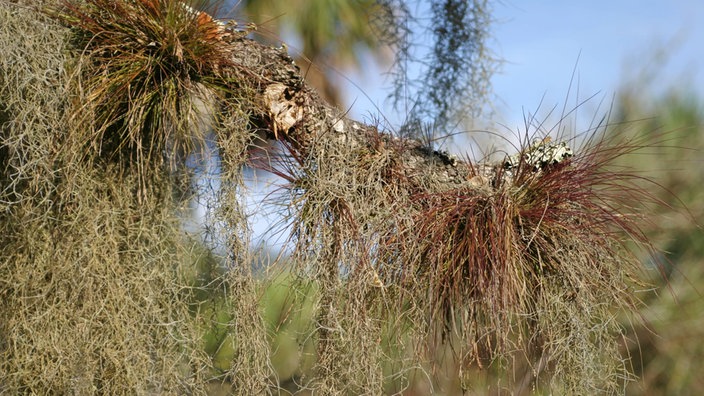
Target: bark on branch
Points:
x,y
293,112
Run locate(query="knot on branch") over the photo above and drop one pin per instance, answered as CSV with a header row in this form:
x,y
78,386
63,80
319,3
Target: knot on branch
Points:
x,y
284,108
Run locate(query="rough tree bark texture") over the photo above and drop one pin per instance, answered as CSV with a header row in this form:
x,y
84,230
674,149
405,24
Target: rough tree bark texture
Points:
x,y
296,113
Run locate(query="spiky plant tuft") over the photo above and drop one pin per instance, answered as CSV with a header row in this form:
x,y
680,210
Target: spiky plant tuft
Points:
x,y
533,259
149,68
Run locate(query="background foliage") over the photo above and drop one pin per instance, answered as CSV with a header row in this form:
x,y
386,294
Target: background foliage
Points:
x,y
665,353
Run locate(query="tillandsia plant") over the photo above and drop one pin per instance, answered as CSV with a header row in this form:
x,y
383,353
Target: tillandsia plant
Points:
x,y
151,71
534,260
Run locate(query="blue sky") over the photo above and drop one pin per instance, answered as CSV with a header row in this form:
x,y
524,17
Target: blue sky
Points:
x,y
609,42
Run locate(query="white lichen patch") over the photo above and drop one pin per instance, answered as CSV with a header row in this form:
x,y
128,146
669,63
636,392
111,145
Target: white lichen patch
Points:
x,y
541,154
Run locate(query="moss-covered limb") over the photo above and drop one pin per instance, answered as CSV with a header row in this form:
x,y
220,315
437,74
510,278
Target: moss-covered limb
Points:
x,y
291,111
503,253
484,257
